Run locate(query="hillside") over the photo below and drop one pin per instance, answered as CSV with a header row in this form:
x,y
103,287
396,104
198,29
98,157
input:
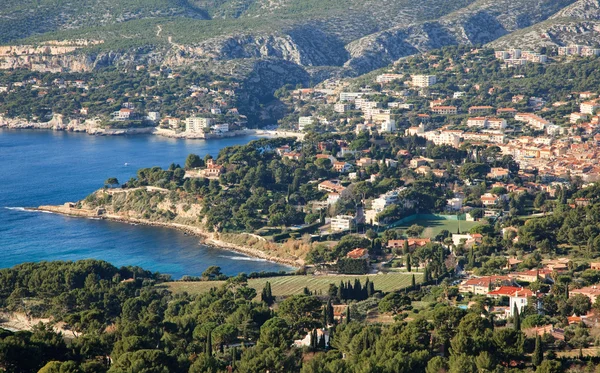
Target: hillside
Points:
x,y
355,36
269,43
578,23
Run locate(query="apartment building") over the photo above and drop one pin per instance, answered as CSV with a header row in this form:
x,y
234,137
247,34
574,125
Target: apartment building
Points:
x,y
423,81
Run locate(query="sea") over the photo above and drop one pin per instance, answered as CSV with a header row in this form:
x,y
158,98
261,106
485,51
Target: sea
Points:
x,y
39,167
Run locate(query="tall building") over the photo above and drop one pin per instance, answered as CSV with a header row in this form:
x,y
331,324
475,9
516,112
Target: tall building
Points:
x,y
423,80
197,124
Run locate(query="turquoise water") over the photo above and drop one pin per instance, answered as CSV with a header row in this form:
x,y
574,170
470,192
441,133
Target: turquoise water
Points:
x,y
46,167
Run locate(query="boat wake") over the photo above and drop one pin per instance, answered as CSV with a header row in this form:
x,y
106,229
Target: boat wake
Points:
x,y
16,208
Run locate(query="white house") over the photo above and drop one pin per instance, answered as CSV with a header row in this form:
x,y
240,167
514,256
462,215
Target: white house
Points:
x,y
342,222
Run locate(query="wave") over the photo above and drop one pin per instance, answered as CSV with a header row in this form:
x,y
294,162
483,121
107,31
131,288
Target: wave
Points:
x,y
16,208
246,258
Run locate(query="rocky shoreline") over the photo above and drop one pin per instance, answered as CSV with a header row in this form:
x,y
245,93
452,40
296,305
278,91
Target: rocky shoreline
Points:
x,y
208,238
94,130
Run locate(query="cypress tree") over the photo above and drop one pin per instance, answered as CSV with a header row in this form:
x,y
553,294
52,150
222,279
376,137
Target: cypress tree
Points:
x,y
330,319
233,357
443,261
321,345
349,290
408,266
324,316
517,318
340,291
348,315
357,289
209,344
538,352
269,293
413,282
426,276
371,289
367,288
405,247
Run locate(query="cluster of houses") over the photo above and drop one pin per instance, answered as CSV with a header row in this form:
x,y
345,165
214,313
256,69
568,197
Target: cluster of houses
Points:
x,y
507,286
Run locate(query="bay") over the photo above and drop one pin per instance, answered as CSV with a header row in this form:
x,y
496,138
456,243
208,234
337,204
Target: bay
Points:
x,y
48,167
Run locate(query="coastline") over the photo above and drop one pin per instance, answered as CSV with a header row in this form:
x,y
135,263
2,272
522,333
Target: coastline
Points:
x,y
207,238
154,131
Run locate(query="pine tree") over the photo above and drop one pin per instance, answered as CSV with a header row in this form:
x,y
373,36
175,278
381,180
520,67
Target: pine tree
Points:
x,y
517,318
408,267
538,352
413,282
209,344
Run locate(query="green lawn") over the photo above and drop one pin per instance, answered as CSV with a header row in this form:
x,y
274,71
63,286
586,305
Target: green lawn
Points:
x,y
434,226
290,285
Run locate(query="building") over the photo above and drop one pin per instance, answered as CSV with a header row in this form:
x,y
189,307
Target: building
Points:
x,y
171,122
358,254
413,243
454,204
303,122
306,341
123,114
423,81
387,78
517,297
483,285
342,166
477,122
154,116
480,109
221,127
589,107
197,124
342,223
332,186
445,110
591,292
576,117
578,50
212,169
489,199
498,173
342,107
350,96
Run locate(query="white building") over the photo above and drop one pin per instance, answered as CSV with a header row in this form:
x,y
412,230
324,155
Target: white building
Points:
x,y
197,124
341,107
304,121
221,127
387,78
350,96
589,107
423,80
342,222
154,116
454,204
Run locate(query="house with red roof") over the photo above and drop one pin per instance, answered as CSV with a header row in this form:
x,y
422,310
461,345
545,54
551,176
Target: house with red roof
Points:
x,y
358,254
